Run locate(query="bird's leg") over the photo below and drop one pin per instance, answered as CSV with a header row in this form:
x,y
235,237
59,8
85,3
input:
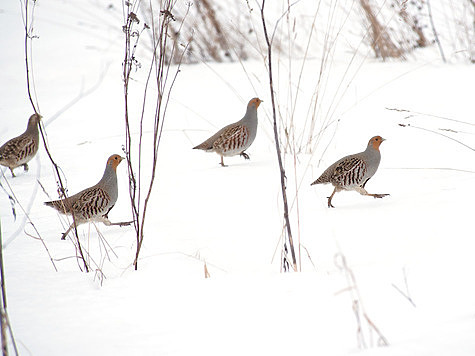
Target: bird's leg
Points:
x,y
331,197
25,167
63,237
244,154
105,220
363,191
76,222
13,174
222,162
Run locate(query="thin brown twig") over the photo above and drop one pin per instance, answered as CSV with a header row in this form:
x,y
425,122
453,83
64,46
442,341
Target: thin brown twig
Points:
x,y
5,321
28,37
139,190
277,142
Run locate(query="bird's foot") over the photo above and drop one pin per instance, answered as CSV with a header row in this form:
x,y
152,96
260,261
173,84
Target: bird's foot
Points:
x,y
379,195
330,205
245,155
25,167
63,236
122,223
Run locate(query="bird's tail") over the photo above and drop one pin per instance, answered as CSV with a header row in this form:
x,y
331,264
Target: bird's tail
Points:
x,y
204,146
60,205
322,179
52,204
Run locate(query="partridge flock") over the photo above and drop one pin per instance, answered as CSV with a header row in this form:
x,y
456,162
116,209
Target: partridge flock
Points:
x,y
94,203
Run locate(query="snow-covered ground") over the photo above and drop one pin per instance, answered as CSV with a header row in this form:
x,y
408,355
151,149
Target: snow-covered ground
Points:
x,y
418,241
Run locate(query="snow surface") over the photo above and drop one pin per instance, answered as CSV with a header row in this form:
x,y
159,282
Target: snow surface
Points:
x,y
232,217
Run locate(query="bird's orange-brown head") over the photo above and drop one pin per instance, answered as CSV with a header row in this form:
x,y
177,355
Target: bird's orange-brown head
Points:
x,y
114,161
254,102
375,142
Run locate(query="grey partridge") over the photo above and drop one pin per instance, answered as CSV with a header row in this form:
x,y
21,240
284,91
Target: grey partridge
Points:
x,y
20,150
94,203
354,171
234,139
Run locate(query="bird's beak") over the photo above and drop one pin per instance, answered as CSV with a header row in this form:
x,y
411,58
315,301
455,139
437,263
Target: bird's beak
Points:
x,y
121,158
383,139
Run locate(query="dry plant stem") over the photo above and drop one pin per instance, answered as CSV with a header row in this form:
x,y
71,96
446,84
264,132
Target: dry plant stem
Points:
x,y
31,222
276,137
357,304
207,275
431,115
127,68
381,42
29,36
162,71
62,194
3,331
3,319
161,67
5,322
309,257
441,134
404,295
11,200
429,9
411,21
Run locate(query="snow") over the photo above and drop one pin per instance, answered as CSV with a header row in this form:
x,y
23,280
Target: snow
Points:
x,y
231,218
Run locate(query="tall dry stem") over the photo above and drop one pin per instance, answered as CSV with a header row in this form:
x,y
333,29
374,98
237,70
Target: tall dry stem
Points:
x,y
4,320
277,143
141,180
28,17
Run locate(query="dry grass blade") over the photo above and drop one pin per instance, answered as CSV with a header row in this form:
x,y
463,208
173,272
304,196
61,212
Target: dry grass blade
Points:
x,y
357,306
